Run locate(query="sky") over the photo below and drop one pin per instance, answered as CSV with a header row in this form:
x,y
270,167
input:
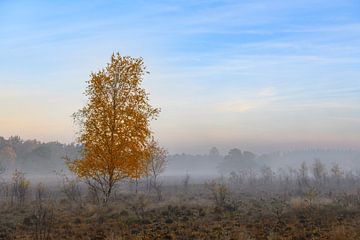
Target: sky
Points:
x,y
257,75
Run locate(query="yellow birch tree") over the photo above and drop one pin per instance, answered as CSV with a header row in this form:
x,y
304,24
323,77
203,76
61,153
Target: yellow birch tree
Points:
x,y
114,126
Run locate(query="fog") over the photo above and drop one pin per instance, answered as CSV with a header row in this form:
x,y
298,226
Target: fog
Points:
x,y
44,161
236,188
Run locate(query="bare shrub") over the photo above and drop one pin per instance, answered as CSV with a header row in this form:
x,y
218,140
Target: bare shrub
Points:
x,y
40,194
2,168
278,206
72,190
341,232
220,194
41,222
20,187
310,196
139,205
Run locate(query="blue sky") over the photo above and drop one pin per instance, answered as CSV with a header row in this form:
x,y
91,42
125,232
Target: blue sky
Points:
x,y
259,75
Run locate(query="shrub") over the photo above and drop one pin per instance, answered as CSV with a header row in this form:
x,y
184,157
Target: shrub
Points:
x,y
20,187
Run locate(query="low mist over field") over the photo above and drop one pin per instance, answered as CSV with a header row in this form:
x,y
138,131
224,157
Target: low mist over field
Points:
x,y
180,120
36,158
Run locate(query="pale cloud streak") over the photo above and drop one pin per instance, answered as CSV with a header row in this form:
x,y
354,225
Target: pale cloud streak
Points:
x,y
267,92
238,106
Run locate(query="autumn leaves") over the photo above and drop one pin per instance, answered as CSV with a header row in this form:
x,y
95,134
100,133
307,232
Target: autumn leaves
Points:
x,y
115,126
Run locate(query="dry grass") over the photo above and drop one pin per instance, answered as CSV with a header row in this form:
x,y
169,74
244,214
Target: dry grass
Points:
x,y
195,214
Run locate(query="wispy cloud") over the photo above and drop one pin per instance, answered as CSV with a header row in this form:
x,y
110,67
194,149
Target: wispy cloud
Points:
x,y
267,92
238,106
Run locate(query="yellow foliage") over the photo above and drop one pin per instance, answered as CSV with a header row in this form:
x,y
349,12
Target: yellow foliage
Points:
x,y
114,124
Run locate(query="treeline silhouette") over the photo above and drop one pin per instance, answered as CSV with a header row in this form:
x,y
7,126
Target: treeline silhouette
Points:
x,y
33,156
237,160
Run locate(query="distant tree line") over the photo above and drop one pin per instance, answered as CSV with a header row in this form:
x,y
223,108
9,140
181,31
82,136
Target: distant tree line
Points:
x,y
237,160
44,157
33,155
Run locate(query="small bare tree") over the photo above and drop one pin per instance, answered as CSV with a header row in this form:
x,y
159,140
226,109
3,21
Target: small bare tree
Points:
x,y
267,174
40,194
303,171
319,172
156,166
337,172
186,183
303,177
